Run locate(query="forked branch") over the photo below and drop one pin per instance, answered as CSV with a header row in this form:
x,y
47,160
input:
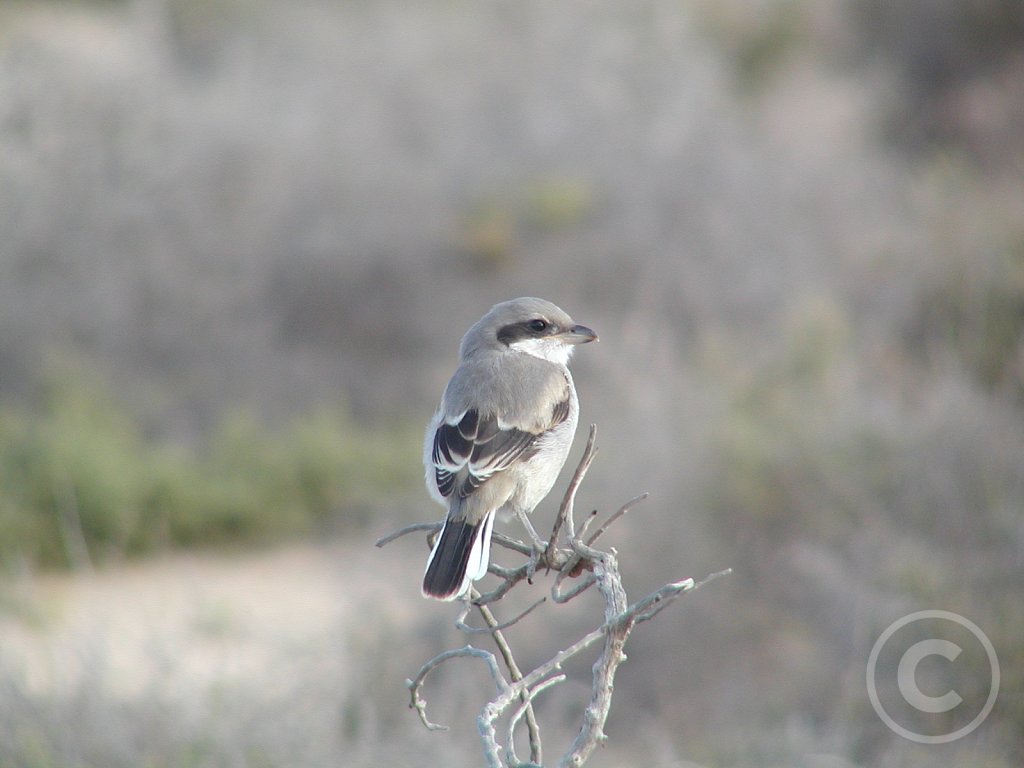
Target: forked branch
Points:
x,y
578,558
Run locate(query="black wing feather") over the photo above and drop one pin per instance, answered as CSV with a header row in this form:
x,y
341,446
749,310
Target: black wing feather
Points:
x,y
466,454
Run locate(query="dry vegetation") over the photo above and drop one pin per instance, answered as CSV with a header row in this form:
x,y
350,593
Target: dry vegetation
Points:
x,y
240,238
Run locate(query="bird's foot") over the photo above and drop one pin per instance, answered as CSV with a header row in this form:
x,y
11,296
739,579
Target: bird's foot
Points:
x,y
538,548
536,559
535,540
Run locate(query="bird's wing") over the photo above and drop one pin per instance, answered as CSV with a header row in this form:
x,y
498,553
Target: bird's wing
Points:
x,y
471,448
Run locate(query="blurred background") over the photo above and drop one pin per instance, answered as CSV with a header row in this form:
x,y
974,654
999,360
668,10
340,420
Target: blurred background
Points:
x,y
240,240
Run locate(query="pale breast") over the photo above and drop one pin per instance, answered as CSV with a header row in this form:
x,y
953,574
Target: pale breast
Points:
x,y
535,478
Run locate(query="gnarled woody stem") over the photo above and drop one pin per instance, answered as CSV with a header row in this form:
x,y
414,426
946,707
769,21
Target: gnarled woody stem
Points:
x,y
601,568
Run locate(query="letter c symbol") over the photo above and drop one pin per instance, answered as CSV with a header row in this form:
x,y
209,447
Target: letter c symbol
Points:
x,y
907,680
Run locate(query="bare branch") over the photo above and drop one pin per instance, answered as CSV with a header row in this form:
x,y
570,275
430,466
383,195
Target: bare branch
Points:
x,y
712,577
510,579
527,708
611,520
657,601
583,586
565,510
509,543
516,674
591,733
587,523
414,685
461,624
598,567
432,527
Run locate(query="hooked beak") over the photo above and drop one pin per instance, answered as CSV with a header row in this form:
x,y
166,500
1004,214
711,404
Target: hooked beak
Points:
x,y
578,334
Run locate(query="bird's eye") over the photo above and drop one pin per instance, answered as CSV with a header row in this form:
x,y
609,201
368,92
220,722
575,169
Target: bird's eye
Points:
x,y
538,325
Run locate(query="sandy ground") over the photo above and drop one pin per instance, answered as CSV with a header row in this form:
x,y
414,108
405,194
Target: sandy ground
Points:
x,y
204,618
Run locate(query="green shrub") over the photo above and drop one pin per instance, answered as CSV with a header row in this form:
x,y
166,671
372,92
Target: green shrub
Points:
x,y
80,481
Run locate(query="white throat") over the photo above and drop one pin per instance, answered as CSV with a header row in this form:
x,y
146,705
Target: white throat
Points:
x,y
552,350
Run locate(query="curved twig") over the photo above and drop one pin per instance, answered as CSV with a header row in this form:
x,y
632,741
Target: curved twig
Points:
x,y
461,624
415,684
432,527
526,708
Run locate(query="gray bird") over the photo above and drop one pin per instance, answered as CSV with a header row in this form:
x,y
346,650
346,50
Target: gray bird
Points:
x,y
501,434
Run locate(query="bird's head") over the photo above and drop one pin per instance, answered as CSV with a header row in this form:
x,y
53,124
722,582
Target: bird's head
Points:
x,y
530,325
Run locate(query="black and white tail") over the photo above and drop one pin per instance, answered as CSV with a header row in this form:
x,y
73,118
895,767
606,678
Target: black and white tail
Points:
x,y
459,557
